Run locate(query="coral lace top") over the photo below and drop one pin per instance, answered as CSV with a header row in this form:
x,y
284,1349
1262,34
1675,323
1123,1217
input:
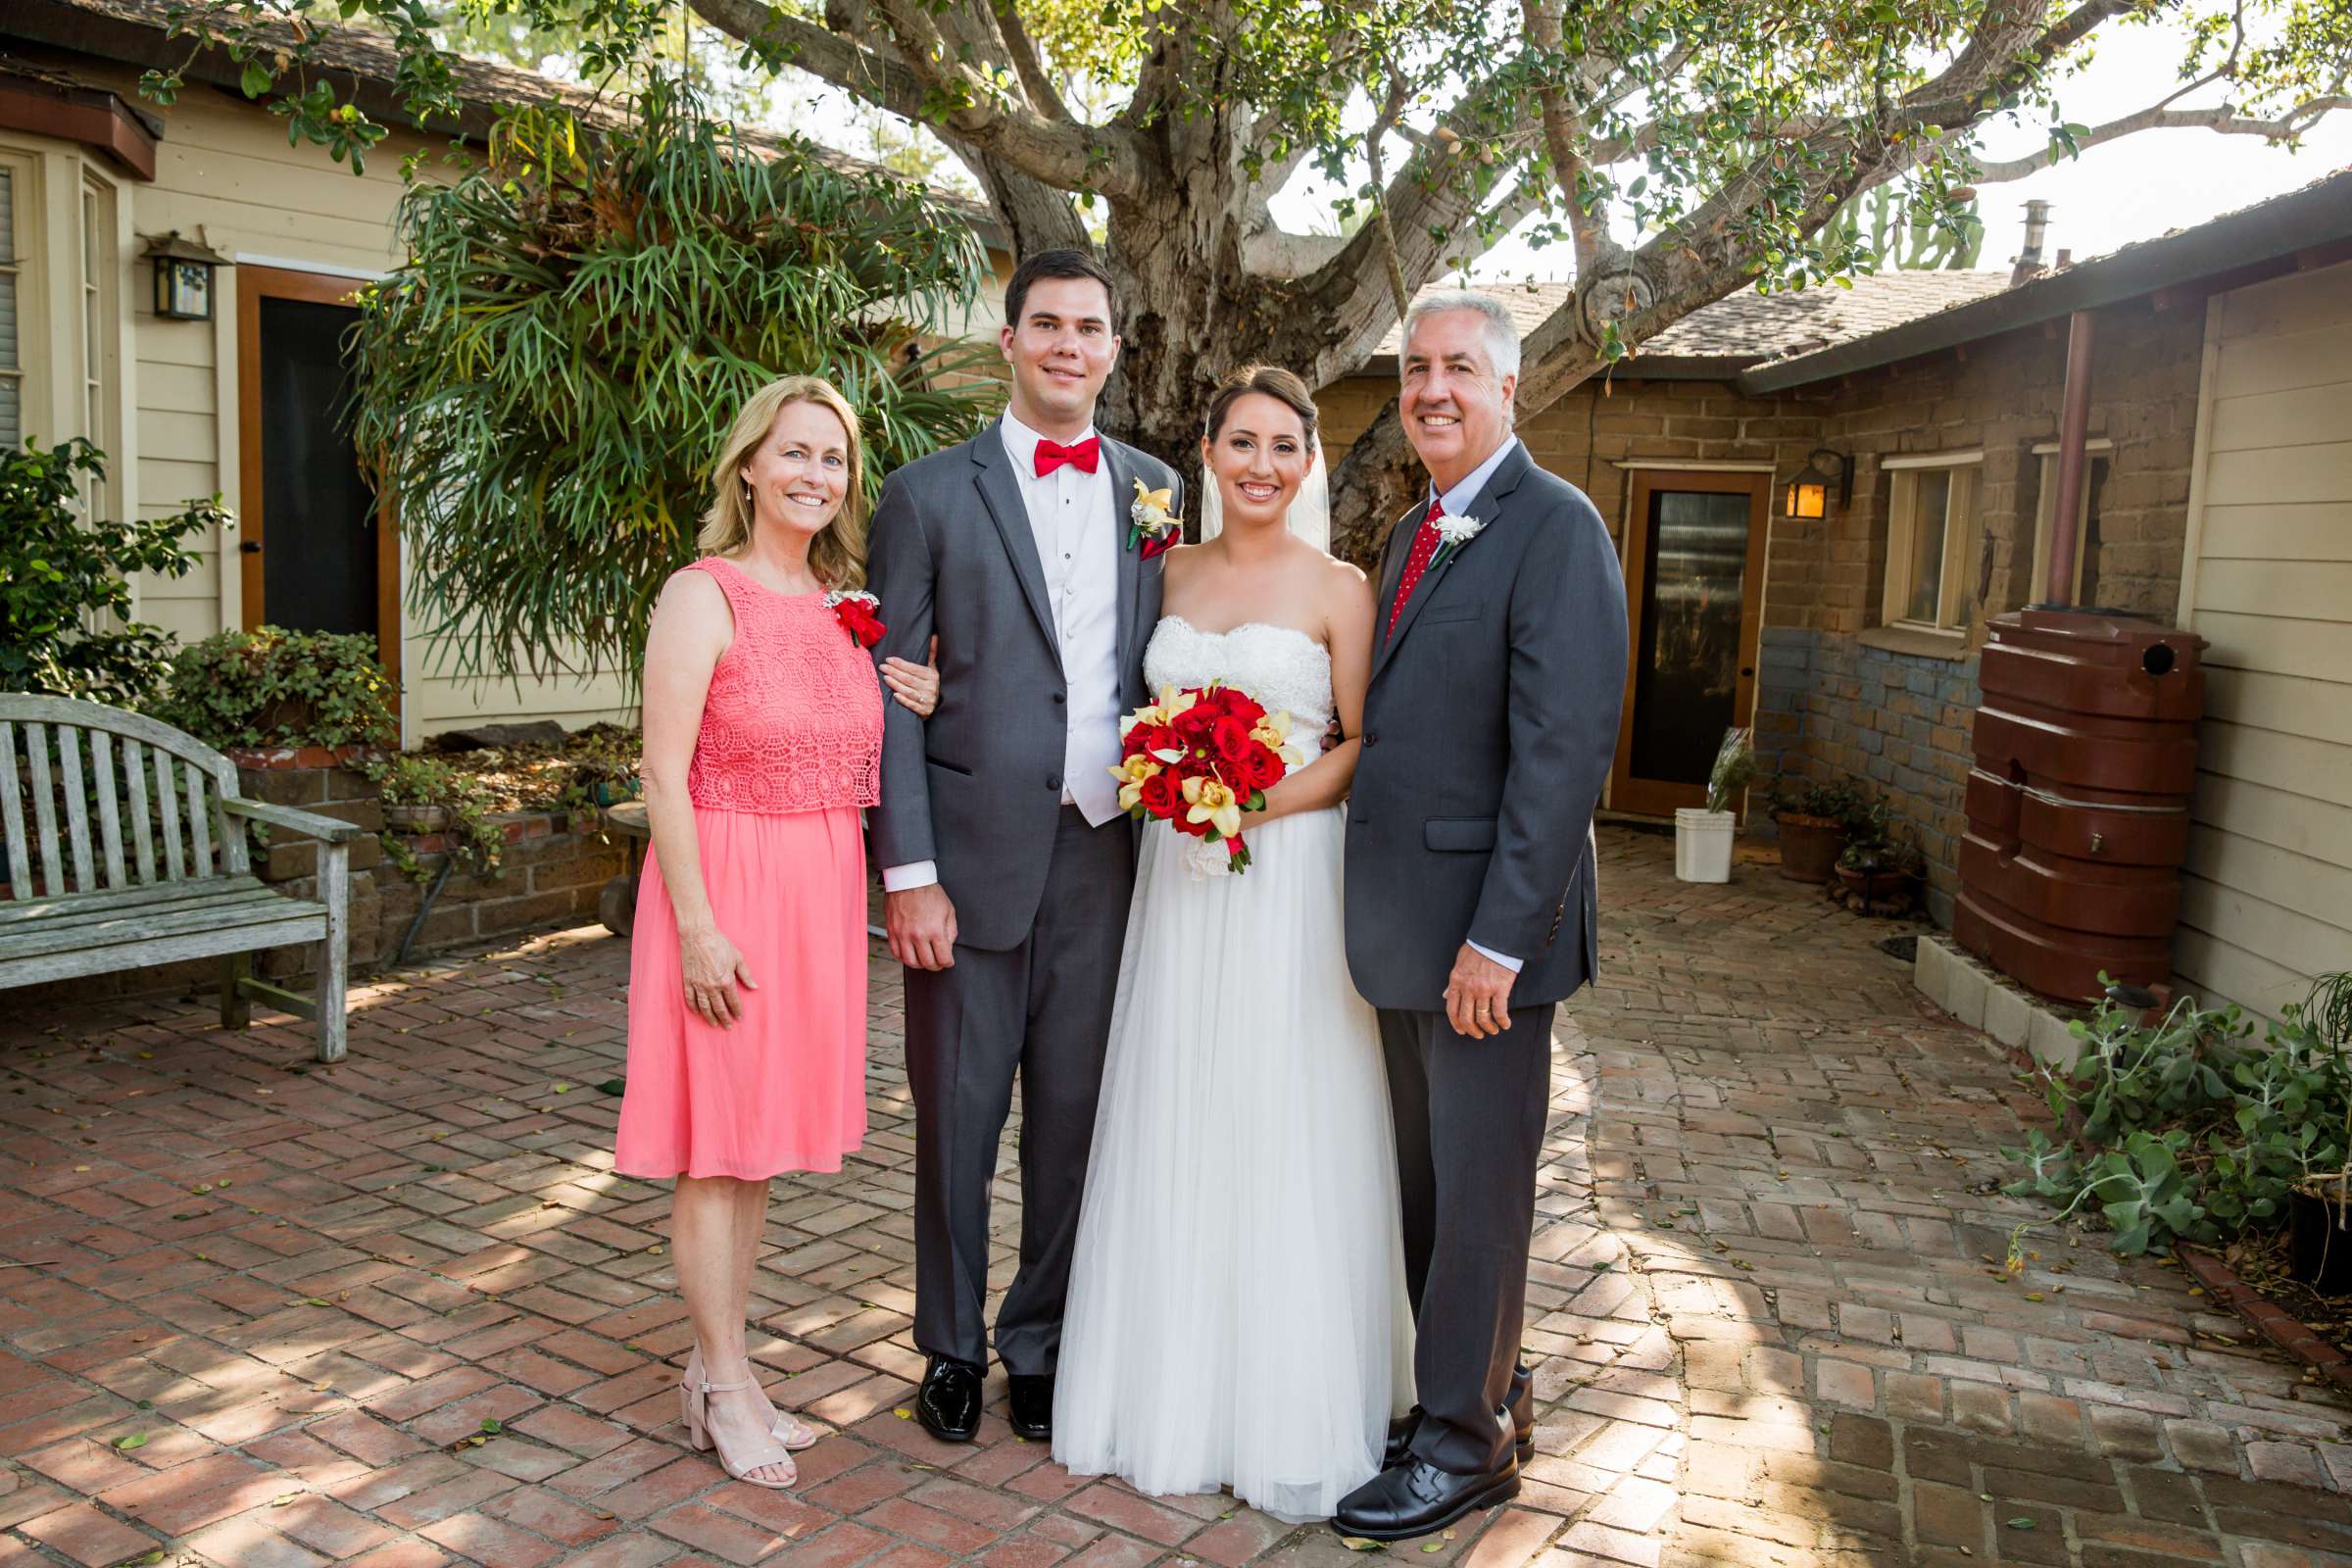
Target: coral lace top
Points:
x,y
793,721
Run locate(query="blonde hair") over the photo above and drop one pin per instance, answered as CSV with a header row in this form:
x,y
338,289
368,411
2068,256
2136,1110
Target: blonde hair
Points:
x,y
837,554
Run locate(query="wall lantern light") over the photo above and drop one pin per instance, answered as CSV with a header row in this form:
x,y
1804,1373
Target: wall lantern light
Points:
x,y
183,277
1809,491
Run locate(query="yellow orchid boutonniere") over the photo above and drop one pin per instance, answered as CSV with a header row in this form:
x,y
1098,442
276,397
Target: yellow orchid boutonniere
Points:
x,y
1149,523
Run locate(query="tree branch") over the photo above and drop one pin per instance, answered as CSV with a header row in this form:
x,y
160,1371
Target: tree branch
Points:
x,y
926,80
1030,63
2221,118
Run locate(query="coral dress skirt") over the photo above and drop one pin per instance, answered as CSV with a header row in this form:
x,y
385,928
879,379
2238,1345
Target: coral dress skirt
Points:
x,y
790,748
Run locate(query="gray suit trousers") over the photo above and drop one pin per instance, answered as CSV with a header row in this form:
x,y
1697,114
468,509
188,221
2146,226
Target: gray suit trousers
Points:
x,y
1042,1007
1470,1118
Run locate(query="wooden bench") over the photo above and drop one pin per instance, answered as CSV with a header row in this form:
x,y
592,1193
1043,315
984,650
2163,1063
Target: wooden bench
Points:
x,y
162,875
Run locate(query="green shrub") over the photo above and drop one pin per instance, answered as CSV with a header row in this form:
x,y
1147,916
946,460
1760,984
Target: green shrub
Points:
x,y
275,687
412,780
2188,1129
65,598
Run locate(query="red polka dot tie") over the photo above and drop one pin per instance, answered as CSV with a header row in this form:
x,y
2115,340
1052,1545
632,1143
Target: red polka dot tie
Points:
x,y
1425,545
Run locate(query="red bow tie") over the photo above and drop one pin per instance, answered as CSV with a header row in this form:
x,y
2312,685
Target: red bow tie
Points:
x,y
1084,455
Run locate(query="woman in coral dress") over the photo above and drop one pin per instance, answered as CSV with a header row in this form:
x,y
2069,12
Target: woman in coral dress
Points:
x,y
747,976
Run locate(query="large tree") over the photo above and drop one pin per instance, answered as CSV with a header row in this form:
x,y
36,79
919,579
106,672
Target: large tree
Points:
x,y
1677,150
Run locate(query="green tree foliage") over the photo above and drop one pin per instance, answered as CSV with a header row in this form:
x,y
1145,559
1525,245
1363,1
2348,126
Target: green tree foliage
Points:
x,y
65,591
547,380
1677,150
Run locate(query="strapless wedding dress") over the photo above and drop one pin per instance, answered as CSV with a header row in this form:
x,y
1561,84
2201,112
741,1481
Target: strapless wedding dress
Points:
x,y
1236,1313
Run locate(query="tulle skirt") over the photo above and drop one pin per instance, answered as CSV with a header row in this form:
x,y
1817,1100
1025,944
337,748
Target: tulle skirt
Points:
x,y
1237,1313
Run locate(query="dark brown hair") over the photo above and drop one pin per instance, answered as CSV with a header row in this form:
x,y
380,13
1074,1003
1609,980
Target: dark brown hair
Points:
x,y
1056,263
1270,379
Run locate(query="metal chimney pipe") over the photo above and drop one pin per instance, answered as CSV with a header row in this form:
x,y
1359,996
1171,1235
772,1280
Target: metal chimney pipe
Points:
x,y
2037,227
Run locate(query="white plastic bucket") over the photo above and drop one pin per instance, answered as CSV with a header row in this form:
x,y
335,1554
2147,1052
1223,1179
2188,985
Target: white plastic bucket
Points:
x,y
1702,845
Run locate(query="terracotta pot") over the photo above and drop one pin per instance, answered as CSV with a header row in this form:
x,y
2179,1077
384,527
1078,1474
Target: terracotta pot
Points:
x,y
415,819
1810,846
1879,887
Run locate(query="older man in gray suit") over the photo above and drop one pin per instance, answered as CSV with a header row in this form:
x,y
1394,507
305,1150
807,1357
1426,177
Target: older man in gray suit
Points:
x,y
1498,671
1007,864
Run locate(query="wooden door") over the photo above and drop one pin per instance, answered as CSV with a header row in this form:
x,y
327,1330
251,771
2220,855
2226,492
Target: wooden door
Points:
x,y
319,551
1695,590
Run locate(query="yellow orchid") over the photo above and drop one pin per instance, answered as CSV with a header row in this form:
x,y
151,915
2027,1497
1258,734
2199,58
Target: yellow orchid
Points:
x,y
1131,775
1147,500
1213,802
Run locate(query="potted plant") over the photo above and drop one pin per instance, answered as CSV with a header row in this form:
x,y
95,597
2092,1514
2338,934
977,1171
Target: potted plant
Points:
x,y
415,792
1816,819
1702,835
1880,869
603,765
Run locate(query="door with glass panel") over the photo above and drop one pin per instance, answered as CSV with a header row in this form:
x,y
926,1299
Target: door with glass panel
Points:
x,y
319,552
1695,590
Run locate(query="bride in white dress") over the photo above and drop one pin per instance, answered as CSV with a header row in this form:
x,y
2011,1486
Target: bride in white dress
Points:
x,y
1236,1313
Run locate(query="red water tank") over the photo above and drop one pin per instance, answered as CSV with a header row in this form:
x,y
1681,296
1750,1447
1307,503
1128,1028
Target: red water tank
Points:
x,y
2078,806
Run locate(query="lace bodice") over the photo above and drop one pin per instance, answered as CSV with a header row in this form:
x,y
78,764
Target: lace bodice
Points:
x,y
1281,667
794,719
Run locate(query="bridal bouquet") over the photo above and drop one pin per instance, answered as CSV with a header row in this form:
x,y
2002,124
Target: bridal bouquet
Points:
x,y
1200,760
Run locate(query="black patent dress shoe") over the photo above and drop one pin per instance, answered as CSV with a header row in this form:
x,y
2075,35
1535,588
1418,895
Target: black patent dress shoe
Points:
x,y
1033,1406
948,1404
1417,1499
1400,1446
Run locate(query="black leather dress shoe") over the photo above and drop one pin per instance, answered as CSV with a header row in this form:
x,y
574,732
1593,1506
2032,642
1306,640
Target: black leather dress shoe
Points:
x,y
1400,1447
1417,1499
1033,1406
948,1404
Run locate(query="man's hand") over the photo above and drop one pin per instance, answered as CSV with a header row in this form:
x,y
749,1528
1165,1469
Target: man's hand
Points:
x,y
1478,994
922,923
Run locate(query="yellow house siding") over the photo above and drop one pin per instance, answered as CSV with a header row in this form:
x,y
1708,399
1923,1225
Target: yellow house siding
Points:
x,y
2267,897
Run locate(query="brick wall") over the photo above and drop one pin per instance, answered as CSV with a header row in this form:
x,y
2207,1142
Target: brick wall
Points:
x,y
1836,691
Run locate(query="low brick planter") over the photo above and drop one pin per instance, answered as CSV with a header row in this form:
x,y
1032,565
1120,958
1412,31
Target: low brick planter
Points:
x,y
555,866
2267,1317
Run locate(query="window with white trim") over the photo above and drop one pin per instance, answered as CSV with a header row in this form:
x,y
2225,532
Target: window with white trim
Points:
x,y
1930,540
2034,589
12,354
100,339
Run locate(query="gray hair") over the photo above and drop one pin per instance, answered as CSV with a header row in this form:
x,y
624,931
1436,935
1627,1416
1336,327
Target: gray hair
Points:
x,y
1500,331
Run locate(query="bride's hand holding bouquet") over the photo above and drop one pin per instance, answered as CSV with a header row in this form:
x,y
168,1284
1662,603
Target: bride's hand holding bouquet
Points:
x,y
1201,760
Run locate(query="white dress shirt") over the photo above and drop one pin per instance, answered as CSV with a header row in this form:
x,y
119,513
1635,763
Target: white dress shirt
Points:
x,y
1456,501
1073,519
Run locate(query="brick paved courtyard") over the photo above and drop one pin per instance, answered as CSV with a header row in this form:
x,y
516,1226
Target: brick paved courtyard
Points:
x,y
399,1313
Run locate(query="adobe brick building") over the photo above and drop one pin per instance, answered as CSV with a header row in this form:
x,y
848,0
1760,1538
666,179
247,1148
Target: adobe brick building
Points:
x,y
1850,641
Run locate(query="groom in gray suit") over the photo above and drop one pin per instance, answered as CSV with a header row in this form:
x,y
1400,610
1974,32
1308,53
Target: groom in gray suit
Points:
x,y
1498,671
1007,861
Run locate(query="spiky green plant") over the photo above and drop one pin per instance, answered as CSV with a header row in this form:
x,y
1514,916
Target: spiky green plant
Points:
x,y
545,383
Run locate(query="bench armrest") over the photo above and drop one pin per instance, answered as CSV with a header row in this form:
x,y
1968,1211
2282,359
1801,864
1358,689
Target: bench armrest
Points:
x,y
327,829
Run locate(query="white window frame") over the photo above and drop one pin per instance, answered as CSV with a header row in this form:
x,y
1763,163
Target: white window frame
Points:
x,y
2045,509
1960,534
98,291
24,266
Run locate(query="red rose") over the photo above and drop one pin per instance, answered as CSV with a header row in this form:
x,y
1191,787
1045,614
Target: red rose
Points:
x,y
1264,768
1162,795
1231,737
1195,723
866,627
1247,709
1161,543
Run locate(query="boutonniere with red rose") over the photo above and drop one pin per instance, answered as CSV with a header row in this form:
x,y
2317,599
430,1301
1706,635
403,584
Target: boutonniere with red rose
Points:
x,y
1149,523
860,612
1200,760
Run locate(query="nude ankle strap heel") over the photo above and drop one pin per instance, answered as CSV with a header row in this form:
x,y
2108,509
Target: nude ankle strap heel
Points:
x,y
695,1394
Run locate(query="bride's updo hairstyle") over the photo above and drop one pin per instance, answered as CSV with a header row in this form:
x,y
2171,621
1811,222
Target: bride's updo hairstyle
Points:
x,y
1270,379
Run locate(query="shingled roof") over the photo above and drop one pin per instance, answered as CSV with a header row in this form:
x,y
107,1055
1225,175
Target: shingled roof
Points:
x,y
1748,327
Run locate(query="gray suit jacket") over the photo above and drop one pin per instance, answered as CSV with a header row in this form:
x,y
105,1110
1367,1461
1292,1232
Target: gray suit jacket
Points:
x,y
977,787
1489,730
